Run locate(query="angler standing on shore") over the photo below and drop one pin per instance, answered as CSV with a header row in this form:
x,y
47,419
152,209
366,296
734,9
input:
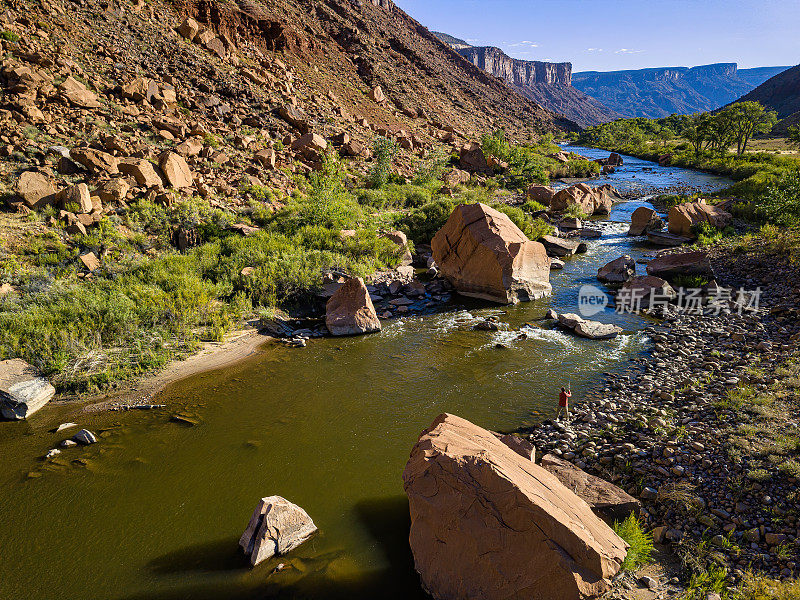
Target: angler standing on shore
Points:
x,y
563,402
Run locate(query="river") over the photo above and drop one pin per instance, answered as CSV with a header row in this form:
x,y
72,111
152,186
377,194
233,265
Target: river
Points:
x,y
155,509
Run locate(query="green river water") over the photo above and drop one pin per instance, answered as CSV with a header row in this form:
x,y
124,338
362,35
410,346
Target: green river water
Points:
x,y
155,509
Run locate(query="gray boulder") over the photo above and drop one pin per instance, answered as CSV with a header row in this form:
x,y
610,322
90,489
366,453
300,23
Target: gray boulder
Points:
x,y
23,390
276,527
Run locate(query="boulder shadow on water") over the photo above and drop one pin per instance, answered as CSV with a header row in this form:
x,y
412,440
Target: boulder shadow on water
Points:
x,y
209,557
319,577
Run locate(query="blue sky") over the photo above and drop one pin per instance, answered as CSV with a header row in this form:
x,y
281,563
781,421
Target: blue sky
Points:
x,y
623,34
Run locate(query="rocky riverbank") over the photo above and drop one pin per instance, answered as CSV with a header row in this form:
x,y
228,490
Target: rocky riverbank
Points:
x,y
704,430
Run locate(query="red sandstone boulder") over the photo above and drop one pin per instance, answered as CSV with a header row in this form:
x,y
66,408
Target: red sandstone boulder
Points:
x,y
487,523
472,159
541,193
644,220
684,263
592,201
606,499
401,240
36,189
455,177
484,255
350,310
684,216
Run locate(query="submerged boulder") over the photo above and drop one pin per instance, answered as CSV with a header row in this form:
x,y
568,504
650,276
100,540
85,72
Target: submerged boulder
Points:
x,y
685,216
604,497
644,220
350,310
684,263
488,523
23,390
484,255
276,527
618,270
593,330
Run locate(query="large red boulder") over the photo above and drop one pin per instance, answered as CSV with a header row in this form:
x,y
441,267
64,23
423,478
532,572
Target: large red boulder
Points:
x,y
484,255
592,201
472,159
488,523
685,216
644,220
350,310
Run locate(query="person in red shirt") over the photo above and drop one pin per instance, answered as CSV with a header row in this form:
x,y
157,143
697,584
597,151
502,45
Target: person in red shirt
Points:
x,y
563,402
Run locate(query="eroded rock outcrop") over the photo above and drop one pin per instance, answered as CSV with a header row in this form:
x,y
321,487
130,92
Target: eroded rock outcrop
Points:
x,y
350,310
276,527
487,523
23,390
685,216
484,255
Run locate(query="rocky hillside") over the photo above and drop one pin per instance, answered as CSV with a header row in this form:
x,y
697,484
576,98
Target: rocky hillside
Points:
x,y
547,84
780,93
660,92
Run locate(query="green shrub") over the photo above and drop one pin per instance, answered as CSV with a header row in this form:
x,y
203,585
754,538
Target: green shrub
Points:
x,y
421,224
9,36
432,168
575,211
780,204
640,542
709,581
533,206
384,150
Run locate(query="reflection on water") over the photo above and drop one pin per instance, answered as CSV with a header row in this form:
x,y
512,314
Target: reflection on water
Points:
x,y
155,509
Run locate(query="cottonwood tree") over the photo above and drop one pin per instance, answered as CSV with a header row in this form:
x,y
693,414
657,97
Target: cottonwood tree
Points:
x,y
698,131
794,135
748,119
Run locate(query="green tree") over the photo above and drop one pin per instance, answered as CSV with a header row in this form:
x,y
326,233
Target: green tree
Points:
x,y
750,118
722,130
699,131
794,135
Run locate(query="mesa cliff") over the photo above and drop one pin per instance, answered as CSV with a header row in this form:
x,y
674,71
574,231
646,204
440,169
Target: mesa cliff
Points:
x,y
545,83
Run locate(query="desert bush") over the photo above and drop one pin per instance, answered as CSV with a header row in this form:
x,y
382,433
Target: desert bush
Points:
x,y
640,542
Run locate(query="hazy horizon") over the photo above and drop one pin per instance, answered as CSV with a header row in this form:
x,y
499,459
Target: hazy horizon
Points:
x,y
622,34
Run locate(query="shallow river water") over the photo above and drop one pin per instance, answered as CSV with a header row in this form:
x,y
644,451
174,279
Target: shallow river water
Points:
x,y
154,510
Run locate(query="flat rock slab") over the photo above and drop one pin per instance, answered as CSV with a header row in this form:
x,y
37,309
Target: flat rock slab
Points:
x,y
23,390
663,238
684,263
604,497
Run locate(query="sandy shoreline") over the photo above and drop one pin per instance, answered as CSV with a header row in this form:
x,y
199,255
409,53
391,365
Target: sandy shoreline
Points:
x,y
239,346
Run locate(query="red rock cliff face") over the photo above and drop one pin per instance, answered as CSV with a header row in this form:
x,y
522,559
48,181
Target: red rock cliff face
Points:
x,y
519,72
